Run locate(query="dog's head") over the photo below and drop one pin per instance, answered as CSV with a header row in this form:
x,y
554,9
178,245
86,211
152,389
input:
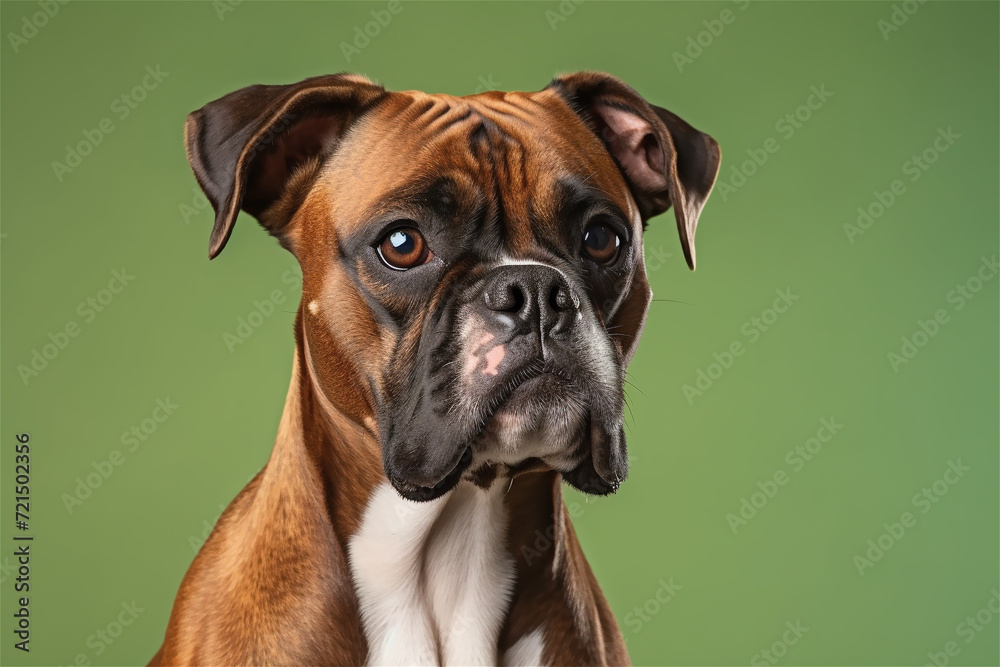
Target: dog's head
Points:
x,y
473,277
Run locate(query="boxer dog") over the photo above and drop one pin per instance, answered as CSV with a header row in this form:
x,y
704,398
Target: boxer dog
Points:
x,y
473,289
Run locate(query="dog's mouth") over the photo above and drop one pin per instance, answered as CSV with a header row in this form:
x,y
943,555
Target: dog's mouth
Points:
x,y
525,398
522,405
526,407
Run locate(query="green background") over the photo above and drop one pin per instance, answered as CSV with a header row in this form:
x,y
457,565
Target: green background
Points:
x,y
694,461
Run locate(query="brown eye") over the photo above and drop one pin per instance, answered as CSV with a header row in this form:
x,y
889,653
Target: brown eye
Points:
x,y
601,243
403,248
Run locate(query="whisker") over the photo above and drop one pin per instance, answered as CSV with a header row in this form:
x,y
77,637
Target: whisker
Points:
x,y
631,417
634,386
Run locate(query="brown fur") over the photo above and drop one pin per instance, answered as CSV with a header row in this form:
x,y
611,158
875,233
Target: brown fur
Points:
x,y
272,583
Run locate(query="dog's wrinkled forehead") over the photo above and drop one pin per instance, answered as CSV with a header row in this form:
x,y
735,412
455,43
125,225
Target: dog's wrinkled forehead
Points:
x,y
519,154
262,148
432,230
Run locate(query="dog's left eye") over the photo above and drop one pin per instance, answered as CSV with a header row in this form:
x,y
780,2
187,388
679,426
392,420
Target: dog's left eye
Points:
x,y
601,243
403,248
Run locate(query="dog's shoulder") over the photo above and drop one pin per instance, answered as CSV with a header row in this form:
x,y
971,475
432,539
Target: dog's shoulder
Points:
x,y
269,562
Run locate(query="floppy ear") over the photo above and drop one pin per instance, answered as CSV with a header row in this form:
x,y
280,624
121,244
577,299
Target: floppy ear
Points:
x,y
245,147
664,160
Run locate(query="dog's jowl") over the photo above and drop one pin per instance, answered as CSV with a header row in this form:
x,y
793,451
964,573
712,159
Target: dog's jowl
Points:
x,y
473,289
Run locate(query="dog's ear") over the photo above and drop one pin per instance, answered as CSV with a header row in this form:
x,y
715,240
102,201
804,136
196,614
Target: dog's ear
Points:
x,y
664,160
244,147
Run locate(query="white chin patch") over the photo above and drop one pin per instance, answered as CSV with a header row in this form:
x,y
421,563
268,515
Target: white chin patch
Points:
x,y
519,430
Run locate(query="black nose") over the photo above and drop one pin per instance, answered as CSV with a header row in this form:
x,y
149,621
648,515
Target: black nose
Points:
x,y
531,298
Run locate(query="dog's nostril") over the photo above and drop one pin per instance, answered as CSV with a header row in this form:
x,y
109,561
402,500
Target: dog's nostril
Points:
x,y
560,299
506,299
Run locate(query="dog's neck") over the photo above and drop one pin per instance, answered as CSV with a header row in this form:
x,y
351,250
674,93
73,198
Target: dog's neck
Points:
x,y
321,450
447,573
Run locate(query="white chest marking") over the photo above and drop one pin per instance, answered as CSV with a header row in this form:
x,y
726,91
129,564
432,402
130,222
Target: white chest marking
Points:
x,y
434,579
526,651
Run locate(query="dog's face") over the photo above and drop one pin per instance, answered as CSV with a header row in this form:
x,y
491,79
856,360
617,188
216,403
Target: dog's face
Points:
x,y
473,278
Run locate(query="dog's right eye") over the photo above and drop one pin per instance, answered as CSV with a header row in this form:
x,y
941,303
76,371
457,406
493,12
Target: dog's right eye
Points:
x,y
601,243
403,248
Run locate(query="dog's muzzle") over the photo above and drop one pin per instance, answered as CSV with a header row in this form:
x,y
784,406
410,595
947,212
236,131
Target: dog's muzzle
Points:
x,y
524,378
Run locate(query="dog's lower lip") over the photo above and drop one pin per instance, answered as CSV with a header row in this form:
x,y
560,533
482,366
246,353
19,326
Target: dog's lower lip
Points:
x,y
525,379
417,492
